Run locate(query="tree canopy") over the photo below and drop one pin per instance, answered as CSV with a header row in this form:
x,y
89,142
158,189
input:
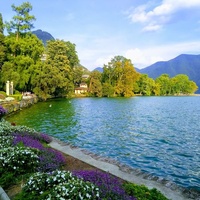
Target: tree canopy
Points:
x,y
54,69
22,21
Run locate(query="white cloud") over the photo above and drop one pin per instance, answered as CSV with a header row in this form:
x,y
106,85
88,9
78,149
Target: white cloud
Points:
x,y
103,60
155,18
152,27
144,57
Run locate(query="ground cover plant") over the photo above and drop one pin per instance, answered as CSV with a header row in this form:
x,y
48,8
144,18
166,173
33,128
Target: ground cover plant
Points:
x,y
27,160
2,112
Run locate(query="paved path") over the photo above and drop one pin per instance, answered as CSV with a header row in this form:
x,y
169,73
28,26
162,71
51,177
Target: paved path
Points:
x,y
115,170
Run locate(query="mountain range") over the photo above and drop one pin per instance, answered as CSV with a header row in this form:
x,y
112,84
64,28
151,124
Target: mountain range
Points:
x,y
182,64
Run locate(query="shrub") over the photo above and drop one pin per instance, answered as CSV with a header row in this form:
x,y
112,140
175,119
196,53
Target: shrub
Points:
x,y
110,187
7,128
57,185
141,192
20,160
17,97
14,162
6,141
49,159
2,111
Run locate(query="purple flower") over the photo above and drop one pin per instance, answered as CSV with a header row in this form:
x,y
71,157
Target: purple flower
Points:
x,y
28,141
3,111
110,186
45,138
50,160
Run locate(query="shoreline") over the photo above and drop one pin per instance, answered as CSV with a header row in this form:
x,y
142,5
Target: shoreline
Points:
x,y
169,189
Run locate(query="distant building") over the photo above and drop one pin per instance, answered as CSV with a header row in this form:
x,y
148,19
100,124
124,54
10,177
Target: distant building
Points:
x,y
82,89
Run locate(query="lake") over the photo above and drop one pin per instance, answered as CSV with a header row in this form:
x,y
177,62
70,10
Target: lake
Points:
x,y
158,135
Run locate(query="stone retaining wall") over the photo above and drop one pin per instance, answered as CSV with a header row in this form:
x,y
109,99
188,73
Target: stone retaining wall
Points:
x,y
14,105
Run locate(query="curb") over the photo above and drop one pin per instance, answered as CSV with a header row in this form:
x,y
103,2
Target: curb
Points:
x,y
3,195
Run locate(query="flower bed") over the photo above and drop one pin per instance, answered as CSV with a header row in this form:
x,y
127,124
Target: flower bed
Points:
x,y
27,160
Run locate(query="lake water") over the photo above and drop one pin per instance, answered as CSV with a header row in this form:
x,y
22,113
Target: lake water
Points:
x,y
159,135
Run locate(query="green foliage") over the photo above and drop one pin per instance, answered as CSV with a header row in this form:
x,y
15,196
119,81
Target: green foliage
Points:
x,y
3,93
6,129
95,87
180,84
141,192
14,158
55,76
57,185
1,24
146,86
17,97
23,56
7,178
22,20
120,75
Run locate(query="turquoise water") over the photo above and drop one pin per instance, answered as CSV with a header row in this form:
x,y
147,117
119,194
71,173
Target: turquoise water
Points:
x,y
159,135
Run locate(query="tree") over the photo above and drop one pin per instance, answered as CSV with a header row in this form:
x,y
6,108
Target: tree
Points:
x,y
2,43
2,49
55,77
22,21
22,58
72,54
182,85
147,86
165,84
95,86
121,75
1,24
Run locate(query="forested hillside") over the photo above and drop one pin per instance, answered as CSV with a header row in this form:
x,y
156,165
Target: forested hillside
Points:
x,y
183,64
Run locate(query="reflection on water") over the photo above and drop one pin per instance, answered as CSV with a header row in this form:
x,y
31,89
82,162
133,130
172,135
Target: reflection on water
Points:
x,y
160,135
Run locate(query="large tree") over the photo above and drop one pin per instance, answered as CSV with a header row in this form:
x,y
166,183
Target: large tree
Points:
x,y
121,75
95,86
1,24
2,43
165,84
22,58
55,77
22,21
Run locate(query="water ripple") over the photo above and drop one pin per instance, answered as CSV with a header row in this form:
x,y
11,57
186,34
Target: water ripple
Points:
x,y
158,135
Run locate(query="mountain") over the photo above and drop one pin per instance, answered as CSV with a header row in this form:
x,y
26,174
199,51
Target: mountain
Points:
x,y
100,69
43,35
182,64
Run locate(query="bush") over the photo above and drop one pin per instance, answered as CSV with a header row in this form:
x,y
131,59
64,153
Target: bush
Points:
x,y
2,112
141,192
49,159
14,162
17,97
57,185
20,160
110,187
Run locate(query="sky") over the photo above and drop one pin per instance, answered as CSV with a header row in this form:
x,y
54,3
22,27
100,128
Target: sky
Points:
x,y
145,31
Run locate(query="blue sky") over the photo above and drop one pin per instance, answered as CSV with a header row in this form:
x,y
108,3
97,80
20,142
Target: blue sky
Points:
x,y
145,31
